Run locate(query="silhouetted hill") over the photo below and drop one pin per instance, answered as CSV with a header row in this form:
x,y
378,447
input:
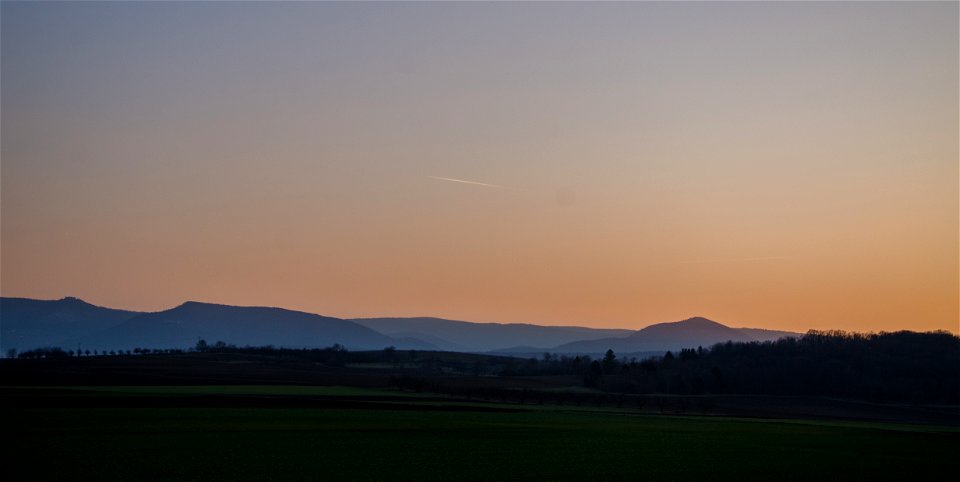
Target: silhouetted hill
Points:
x,y
689,333
27,323
901,366
184,325
482,337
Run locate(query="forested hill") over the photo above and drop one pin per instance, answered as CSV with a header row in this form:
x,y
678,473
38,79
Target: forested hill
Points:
x,y
898,367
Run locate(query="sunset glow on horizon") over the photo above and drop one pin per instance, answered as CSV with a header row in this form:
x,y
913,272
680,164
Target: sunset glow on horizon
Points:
x,y
786,166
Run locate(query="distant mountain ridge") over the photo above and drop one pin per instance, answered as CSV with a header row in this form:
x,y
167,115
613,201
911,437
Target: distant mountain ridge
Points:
x,y
763,334
470,336
689,333
254,325
68,322
27,323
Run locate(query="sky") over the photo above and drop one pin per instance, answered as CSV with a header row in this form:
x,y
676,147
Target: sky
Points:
x,y
778,165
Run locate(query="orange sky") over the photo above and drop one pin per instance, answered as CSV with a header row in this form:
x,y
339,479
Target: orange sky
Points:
x,y
787,166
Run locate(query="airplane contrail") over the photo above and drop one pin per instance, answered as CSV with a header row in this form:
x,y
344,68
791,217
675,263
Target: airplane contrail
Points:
x,y
475,183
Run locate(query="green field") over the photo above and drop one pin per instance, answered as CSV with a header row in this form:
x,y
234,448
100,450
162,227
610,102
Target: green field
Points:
x,y
95,440
281,390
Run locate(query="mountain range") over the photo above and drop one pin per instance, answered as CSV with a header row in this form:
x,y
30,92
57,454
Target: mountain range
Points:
x,y
453,335
28,323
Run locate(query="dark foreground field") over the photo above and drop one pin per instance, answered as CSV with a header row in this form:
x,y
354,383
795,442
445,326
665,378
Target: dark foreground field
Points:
x,y
341,433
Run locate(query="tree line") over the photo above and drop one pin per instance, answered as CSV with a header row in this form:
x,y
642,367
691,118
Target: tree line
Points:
x,y
58,352
888,367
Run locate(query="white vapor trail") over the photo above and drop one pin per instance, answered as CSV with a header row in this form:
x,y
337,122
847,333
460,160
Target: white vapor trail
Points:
x,y
475,183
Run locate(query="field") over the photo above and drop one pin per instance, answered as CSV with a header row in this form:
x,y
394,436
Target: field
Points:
x,y
349,433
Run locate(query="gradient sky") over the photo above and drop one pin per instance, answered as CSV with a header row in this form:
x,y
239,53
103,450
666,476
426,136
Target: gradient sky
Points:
x,y
786,166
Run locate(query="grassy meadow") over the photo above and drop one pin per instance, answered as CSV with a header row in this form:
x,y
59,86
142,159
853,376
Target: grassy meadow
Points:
x,y
228,433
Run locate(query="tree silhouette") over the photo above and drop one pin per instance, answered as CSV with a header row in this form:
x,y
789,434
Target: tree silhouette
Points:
x,y
609,362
